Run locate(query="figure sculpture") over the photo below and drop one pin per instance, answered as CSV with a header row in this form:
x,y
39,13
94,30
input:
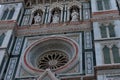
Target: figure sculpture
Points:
x,y
55,18
37,18
74,15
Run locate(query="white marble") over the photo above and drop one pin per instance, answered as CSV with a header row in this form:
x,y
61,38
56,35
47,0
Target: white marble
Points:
x,y
55,17
37,18
97,33
74,15
98,53
17,11
6,40
117,28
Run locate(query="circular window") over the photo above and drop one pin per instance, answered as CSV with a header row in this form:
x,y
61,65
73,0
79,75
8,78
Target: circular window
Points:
x,y
56,53
52,60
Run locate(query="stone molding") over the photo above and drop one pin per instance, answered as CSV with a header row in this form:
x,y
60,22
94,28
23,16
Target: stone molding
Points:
x,y
53,28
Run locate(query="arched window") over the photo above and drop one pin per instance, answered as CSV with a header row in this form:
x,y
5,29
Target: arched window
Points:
x,y
103,4
111,30
106,53
11,13
5,14
116,55
1,38
103,31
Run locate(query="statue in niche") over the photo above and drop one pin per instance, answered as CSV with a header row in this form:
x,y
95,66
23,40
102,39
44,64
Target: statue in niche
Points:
x,y
55,18
74,15
37,18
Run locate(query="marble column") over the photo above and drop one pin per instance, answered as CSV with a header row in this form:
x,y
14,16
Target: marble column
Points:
x,y
61,16
65,13
80,13
43,17
31,18
49,17
68,15
46,14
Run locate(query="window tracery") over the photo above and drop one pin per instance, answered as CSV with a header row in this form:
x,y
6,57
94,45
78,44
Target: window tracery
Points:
x,y
52,59
107,30
111,53
103,4
8,12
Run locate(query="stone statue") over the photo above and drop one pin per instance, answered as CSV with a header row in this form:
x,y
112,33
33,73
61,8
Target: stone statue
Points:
x,y
37,18
74,16
55,18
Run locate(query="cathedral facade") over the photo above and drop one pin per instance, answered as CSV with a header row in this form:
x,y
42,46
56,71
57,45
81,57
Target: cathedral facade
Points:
x,y
59,40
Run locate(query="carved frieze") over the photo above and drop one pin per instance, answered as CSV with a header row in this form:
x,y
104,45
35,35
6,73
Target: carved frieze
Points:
x,y
54,28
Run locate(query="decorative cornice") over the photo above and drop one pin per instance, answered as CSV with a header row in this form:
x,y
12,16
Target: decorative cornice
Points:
x,y
8,24
105,15
53,28
108,67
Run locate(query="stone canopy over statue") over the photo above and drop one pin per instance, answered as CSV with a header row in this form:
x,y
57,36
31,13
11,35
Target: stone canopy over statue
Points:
x,y
55,17
74,15
37,18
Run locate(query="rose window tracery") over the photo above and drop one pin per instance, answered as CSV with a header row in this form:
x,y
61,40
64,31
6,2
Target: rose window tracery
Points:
x,y
57,53
52,60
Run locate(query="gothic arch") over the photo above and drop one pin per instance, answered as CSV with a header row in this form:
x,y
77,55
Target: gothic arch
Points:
x,y
74,3
54,5
38,11
56,9
42,8
75,7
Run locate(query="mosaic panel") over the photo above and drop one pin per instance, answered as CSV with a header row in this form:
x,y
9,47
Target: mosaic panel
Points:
x,y
18,45
89,62
11,69
88,40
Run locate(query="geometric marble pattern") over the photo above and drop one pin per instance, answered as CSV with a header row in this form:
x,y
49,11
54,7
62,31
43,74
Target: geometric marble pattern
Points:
x,y
88,40
17,47
11,69
89,62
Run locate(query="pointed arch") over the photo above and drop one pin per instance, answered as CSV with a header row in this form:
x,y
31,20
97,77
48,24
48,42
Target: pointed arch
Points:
x,y
5,13
106,53
111,30
2,36
103,31
116,55
11,13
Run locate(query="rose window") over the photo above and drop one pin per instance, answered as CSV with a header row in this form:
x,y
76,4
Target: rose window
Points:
x,y
52,60
57,53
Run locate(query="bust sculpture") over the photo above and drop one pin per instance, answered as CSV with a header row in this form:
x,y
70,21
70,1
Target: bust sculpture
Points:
x,y
74,15
37,18
55,18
